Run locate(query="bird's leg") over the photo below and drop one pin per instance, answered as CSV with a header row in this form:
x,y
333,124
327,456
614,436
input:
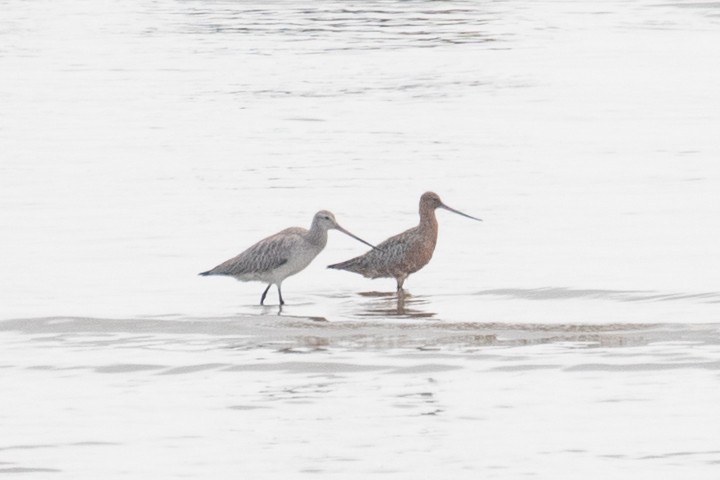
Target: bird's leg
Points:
x,y
400,281
282,302
401,296
262,299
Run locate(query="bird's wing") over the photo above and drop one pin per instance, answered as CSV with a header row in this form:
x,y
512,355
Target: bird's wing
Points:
x,y
266,255
386,254
394,247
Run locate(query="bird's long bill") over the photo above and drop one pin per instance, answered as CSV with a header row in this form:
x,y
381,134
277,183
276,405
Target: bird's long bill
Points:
x,y
459,212
338,227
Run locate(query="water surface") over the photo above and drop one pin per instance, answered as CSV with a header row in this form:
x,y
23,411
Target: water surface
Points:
x,y
572,333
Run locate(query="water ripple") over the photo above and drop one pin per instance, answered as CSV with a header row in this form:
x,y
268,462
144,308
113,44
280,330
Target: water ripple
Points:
x,y
561,293
327,27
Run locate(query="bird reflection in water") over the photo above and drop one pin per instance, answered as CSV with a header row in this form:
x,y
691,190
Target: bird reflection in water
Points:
x,y
391,304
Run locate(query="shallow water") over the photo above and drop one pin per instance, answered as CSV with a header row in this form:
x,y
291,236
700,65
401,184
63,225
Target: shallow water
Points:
x,y
574,332
217,397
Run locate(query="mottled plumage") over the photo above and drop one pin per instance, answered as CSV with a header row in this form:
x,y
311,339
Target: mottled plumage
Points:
x,y
279,256
405,253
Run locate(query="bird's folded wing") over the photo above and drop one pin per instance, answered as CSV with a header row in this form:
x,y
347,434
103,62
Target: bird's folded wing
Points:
x,y
264,256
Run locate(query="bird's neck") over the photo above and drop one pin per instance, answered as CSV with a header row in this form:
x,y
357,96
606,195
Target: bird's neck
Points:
x,y
428,221
317,236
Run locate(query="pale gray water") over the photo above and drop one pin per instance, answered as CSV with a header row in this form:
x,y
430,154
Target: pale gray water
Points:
x,y
574,333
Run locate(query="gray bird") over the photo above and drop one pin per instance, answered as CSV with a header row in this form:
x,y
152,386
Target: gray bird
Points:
x,y
279,256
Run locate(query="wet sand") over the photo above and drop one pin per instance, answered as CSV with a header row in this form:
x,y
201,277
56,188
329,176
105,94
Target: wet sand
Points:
x,y
289,334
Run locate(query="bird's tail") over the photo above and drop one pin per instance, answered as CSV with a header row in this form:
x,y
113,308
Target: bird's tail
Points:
x,y
346,265
205,274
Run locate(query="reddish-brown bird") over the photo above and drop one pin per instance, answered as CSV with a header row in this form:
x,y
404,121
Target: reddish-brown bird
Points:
x,y
405,253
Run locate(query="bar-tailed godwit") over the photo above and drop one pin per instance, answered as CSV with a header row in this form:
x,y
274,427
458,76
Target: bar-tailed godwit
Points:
x,y
405,253
286,253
